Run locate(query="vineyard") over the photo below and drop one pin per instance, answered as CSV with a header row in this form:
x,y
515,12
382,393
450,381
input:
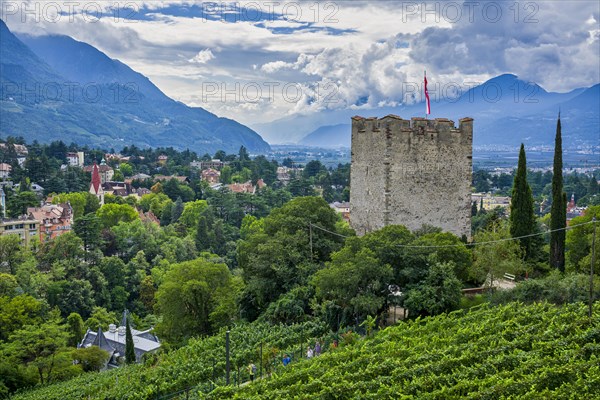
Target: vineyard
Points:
x,y
513,351
199,366
537,351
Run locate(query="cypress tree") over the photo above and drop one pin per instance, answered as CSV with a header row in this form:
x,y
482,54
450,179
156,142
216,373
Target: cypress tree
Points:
x,y
558,213
522,218
129,348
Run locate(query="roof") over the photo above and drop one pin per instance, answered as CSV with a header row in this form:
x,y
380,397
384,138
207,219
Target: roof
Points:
x,y
148,217
96,181
143,341
168,178
210,171
338,204
20,149
100,341
51,211
140,176
118,188
246,187
5,167
140,342
22,218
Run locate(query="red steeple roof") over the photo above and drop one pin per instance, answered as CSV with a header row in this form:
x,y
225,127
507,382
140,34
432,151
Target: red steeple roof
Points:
x,y
96,181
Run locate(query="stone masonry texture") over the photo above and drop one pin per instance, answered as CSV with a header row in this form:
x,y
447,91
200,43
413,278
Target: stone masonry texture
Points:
x,y
411,172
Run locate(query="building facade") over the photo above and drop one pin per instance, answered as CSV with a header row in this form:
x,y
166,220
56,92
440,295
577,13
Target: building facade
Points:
x,y
76,159
105,172
55,219
211,175
411,172
25,227
5,170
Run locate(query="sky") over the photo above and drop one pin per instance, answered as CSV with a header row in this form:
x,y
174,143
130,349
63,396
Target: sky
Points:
x,y
259,61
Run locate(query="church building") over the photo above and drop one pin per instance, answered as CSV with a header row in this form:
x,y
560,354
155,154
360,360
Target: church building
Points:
x,y
96,185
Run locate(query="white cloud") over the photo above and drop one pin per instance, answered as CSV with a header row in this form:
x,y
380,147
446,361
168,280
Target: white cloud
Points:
x,y
202,57
367,51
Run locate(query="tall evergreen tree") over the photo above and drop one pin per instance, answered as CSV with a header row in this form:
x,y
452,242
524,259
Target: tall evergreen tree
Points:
x,y
558,219
522,218
129,347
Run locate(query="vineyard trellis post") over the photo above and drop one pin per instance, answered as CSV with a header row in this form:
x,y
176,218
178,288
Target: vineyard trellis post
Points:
x,y
213,375
311,241
591,300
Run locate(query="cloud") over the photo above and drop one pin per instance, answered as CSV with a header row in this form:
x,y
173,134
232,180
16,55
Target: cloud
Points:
x,y
275,66
202,57
355,54
552,43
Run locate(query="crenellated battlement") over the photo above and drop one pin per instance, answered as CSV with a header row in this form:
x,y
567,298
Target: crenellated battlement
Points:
x,y
411,172
416,125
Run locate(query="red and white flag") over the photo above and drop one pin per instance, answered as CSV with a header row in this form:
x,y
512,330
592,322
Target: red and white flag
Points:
x,y
427,105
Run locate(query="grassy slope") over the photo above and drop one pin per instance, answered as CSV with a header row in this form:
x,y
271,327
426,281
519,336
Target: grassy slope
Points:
x,y
514,351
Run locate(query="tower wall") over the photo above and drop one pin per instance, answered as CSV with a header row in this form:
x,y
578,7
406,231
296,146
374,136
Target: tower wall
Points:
x,y
411,172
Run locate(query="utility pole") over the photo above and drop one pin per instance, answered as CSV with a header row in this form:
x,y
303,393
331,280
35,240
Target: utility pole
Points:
x,y
310,239
261,359
227,366
592,267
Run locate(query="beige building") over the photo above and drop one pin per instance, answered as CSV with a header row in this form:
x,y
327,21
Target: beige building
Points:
x,y
105,172
5,170
26,227
211,175
490,201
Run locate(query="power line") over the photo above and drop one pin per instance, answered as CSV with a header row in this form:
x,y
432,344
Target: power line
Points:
x,y
467,244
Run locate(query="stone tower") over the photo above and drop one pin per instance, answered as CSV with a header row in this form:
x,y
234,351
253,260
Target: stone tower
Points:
x,y
411,173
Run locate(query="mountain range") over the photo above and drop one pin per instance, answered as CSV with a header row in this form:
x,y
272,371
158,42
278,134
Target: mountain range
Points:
x,y
54,87
507,112
57,88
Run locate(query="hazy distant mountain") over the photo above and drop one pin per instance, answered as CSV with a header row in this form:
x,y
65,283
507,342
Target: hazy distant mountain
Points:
x,y
81,95
507,111
328,136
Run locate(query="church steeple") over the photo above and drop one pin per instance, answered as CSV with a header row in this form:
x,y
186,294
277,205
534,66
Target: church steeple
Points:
x,y
96,184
